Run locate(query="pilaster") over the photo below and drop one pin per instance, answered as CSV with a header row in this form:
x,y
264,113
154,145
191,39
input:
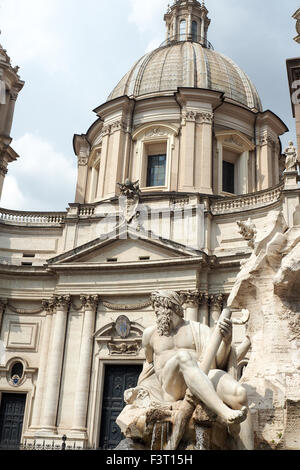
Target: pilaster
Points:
x,y
191,305
48,307
216,305
54,368
89,308
204,308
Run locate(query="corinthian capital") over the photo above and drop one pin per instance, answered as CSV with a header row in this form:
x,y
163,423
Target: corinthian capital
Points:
x,y
61,302
205,118
3,303
89,302
191,298
48,305
216,300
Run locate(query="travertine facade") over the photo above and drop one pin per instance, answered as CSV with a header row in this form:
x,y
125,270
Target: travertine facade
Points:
x,y
66,278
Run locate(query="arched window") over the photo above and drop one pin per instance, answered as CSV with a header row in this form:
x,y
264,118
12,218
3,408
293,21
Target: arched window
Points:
x,y
182,30
194,31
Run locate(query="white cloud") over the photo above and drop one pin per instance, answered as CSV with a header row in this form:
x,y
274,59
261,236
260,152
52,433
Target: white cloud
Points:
x,y
42,179
30,32
12,195
145,13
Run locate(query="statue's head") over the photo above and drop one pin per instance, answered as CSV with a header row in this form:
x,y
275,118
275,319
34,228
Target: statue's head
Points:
x,y
166,303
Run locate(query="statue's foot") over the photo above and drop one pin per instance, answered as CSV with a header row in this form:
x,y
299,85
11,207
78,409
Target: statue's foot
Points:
x,y
236,416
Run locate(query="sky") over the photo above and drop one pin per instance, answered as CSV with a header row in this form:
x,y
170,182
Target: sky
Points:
x,y
72,54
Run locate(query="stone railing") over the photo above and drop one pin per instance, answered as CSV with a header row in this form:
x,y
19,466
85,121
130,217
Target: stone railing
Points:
x,y
249,201
31,218
86,211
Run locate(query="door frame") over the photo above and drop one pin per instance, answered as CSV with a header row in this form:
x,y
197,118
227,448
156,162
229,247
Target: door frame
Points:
x,y
96,408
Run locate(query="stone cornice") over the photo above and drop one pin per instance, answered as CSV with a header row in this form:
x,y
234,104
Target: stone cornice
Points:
x,y
196,261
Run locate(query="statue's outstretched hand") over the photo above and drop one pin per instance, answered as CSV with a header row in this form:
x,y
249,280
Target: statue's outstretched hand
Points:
x,y
225,327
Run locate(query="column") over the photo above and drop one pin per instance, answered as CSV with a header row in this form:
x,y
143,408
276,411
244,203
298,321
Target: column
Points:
x,y
203,28
192,305
266,164
204,152
104,158
3,173
189,27
220,166
55,362
216,305
187,154
42,374
2,310
242,173
10,112
89,304
204,308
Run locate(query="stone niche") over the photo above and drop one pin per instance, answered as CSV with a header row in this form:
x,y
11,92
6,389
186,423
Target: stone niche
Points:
x,y
268,285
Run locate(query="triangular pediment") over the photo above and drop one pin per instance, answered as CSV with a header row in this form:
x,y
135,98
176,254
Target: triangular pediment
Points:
x,y
126,247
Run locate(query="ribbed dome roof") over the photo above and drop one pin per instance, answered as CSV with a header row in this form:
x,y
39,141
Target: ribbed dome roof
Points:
x,y
187,64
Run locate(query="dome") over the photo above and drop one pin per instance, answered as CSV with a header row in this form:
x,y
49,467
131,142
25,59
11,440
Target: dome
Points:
x,y
187,64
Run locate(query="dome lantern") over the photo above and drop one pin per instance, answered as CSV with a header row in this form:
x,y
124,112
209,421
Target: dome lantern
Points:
x,y
187,20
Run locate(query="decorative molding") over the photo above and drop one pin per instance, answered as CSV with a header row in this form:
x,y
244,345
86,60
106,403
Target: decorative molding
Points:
x,y
22,336
62,302
205,118
119,125
22,311
125,307
190,298
83,161
89,302
106,130
217,300
157,132
195,116
266,140
125,349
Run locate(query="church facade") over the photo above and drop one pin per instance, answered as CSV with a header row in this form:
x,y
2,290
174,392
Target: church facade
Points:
x,y
179,172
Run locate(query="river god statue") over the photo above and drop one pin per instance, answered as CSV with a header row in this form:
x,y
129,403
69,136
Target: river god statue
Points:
x,y
184,382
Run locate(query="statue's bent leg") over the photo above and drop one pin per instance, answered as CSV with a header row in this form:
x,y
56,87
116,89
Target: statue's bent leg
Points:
x,y
235,396
184,366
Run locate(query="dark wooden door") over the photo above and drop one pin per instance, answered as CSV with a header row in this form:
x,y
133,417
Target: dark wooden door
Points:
x,y
117,380
11,419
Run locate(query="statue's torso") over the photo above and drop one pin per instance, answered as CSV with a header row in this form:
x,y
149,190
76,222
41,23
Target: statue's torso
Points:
x,y
165,347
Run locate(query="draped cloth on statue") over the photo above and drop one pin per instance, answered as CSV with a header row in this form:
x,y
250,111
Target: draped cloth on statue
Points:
x,y
148,379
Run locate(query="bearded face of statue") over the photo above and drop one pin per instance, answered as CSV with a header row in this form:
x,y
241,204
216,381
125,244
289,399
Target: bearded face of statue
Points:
x,y
163,318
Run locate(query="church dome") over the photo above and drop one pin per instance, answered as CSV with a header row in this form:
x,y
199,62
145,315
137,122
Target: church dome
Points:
x,y
187,64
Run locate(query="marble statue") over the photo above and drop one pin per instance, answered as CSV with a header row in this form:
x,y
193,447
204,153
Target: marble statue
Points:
x,y
291,158
185,365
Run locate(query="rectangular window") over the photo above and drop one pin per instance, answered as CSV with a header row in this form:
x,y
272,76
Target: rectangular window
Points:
x,y
156,171
228,177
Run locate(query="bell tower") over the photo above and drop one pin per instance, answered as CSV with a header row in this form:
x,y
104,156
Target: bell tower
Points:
x,y
10,86
187,20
